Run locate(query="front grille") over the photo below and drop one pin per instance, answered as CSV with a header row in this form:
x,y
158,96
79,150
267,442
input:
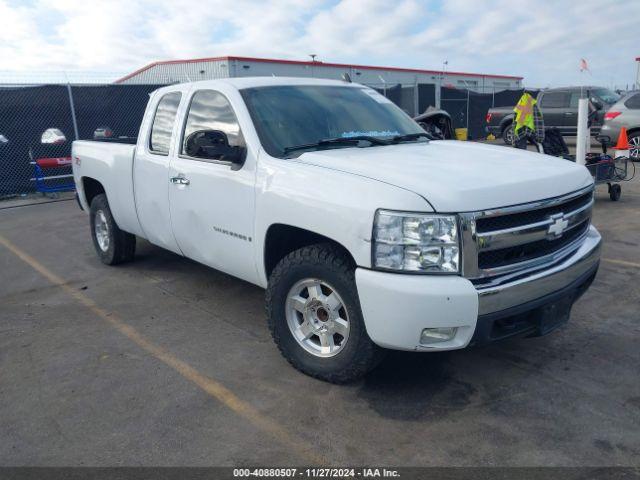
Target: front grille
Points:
x,y
528,251
501,222
524,237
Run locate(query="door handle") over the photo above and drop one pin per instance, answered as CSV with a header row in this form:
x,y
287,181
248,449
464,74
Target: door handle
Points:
x,y
569,113
179,180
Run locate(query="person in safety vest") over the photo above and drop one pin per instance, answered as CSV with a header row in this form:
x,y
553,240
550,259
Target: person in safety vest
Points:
x,y
528,124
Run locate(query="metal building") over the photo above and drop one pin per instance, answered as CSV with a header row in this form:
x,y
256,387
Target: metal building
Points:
x,y
176,71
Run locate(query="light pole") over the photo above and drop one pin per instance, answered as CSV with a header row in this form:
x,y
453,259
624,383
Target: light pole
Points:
x,y
439,91
384,83
313,61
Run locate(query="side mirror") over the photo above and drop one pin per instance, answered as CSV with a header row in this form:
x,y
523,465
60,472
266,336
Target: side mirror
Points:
x,y
214,145
597,104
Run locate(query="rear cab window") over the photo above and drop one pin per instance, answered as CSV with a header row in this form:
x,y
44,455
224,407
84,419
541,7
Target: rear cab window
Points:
x,y
163,120
555,100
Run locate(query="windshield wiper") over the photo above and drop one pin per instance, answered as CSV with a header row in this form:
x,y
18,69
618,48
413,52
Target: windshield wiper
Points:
x,y
348,141
410,137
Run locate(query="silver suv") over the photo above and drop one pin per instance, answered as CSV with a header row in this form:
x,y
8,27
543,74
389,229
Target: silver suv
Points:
x,y
625,113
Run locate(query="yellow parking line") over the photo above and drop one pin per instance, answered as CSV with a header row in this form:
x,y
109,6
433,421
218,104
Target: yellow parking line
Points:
x,y
622,262
210,386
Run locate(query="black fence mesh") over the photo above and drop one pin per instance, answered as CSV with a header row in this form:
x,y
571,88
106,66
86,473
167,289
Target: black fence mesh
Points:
x,y
118,108
468,108
37,128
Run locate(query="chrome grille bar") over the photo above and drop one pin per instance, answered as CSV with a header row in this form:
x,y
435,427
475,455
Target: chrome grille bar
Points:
x,y
473,242
511,237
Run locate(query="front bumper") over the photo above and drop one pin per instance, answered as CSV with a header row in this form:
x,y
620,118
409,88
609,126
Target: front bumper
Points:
x,y
397,307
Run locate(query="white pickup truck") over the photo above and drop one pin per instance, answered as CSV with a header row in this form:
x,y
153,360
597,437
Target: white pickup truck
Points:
x,y
367,234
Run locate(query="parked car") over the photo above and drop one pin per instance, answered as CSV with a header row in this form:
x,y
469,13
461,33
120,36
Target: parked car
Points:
x,y
436,123
625,113
366,234
53,136
102,132
53,144
559,107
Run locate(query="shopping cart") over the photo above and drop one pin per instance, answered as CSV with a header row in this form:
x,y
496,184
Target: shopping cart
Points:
x,y
51,168
605,168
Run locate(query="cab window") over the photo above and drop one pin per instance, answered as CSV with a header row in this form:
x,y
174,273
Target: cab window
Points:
x,y
210,110
165,116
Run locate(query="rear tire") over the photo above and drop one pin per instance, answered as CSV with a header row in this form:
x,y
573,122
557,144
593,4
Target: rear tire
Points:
x,y
312,289
112,245
507,134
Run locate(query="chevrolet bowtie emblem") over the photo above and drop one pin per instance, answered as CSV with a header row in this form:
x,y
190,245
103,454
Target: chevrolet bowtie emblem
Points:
x,y
558,225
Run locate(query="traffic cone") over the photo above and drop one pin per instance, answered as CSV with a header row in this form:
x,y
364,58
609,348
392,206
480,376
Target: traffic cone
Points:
x,y
622,147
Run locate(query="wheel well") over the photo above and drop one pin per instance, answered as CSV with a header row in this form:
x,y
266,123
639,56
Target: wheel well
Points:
x,y
632,131
283,239
91,188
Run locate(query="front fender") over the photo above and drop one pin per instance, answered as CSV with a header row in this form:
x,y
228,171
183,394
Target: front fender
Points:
x,y
338,205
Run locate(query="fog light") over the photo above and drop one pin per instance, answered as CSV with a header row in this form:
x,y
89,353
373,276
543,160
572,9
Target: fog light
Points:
x,y
437,335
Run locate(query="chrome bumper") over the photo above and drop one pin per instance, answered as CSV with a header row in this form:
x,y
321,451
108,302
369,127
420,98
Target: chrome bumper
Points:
x,y
520,291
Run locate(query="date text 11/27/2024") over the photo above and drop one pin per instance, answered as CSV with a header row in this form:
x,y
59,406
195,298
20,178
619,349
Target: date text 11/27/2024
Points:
x,y
316,472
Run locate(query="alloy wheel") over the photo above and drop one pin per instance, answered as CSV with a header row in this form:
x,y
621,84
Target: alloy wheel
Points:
x,y
317,317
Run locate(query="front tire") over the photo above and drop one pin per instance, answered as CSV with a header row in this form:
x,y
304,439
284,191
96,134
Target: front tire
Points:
x,y
315,318
112,245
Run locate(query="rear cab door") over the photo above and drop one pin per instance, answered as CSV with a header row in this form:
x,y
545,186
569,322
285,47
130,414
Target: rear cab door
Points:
x,y
571,116
151,165
554,104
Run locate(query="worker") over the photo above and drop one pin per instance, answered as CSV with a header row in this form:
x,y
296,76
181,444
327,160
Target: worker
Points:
x,y
529,123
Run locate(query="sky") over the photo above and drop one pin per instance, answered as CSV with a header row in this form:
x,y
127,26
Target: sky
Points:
x,y
543,41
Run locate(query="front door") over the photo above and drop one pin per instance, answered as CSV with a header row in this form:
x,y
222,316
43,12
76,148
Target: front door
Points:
x,y
212,201
151,171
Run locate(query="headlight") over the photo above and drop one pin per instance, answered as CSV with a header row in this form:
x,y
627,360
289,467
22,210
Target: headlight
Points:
x,y
416,242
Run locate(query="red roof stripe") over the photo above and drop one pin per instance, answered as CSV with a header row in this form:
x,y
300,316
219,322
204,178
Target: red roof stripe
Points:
x,y
317,64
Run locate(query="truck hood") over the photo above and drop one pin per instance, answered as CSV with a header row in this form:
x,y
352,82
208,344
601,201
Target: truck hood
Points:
x,y
456,176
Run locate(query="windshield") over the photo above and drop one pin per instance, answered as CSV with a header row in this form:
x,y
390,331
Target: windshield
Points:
x,y
293,115
606,95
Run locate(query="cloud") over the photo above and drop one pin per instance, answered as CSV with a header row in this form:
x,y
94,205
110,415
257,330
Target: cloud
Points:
x,y
543,41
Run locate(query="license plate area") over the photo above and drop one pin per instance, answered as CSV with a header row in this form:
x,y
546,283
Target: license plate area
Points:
x,y
555,314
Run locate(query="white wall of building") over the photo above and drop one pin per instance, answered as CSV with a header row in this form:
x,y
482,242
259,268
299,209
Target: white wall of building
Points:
x,y
177,72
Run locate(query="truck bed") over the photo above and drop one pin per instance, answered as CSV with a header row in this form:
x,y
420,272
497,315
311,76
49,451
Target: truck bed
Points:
x,y
111,162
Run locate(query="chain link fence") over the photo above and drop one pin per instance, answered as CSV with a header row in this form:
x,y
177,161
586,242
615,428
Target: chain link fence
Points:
x,y
39,122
